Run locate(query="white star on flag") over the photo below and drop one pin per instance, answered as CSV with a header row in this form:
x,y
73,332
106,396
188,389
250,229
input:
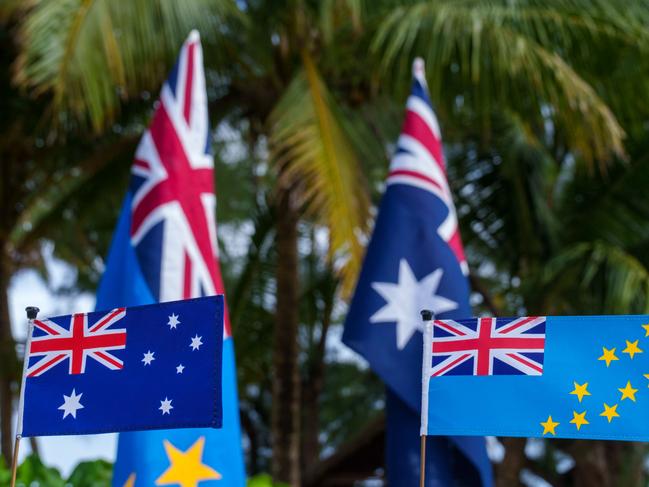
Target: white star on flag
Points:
x,y
406,299
173,321
148,358
165,406
180,368
71,404
196,342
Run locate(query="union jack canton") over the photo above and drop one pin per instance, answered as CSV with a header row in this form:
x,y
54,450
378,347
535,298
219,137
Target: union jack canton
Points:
x,y
77,343
488,346
173,226
419,160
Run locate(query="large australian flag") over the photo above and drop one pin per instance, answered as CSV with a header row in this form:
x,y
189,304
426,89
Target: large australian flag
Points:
x,y
165,249
414,261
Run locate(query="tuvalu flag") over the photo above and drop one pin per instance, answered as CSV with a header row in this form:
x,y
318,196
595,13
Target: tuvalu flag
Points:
x,y
554,376
139,368
165,248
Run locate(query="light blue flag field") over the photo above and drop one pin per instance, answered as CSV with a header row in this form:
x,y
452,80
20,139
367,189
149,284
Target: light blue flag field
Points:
x,y
583,377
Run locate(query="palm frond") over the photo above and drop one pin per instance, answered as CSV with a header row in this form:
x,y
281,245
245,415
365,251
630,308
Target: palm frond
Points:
x,y
518,54
613,280
333,13
91,54
309,144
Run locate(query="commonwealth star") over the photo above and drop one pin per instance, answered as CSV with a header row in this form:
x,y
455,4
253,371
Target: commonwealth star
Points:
x,y
406,298
71,404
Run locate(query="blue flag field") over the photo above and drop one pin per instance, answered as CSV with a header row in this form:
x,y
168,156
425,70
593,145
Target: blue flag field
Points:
x,y
138,368
580,377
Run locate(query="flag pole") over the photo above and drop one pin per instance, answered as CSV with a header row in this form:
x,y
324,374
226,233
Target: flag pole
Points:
x,y
427,316
32,312
14,462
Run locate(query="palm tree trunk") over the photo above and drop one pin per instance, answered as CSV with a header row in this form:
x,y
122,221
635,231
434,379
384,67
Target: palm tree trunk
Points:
x,y
310,422
608,463
591,464
285,423
311,391
7,359
508,472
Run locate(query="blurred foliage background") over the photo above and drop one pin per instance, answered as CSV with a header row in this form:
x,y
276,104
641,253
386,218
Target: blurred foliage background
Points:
x,y
544,108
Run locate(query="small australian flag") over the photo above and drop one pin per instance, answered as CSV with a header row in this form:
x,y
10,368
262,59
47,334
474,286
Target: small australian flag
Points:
x,y
145,367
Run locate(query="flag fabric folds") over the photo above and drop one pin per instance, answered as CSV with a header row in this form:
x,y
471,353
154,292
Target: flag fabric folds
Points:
x,y
125,369
556,376
414,261
165,248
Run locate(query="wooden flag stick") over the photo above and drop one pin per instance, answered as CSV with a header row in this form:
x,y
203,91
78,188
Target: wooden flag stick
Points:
x,y
422,468
32,312
14,462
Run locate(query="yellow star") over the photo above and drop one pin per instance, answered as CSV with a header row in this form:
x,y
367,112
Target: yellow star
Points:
x,y
628,392
130,482
631,348
549,426
580,390
608,355
579,419
646,329
646,377
610,412
186,468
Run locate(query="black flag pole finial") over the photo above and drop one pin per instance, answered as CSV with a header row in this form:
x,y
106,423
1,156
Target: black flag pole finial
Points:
x,y
32,312
427,315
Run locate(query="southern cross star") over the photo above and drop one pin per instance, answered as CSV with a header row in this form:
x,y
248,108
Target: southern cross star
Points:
x,y
405,300
71,404
173,321
148,358
165,406
196,343
180,368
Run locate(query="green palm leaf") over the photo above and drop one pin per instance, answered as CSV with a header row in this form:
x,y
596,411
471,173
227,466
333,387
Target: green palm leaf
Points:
x,y
91,54
309,144
518,54
612,279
